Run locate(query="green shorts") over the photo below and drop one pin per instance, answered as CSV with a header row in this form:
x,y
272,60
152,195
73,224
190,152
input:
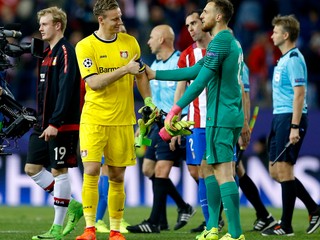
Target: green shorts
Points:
x,y
220,143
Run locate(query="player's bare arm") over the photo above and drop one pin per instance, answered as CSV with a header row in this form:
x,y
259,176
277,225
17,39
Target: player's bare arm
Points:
x,y
150,73
298,100
245,135
99,81
181,88
143,84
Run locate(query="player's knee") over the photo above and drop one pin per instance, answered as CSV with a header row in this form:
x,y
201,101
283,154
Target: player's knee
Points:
x,y
240,172
60,171
148,167
194,173
274,176
148,172
32,169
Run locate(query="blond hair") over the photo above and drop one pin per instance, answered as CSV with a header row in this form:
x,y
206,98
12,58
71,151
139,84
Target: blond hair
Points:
x,y
104,5
58,16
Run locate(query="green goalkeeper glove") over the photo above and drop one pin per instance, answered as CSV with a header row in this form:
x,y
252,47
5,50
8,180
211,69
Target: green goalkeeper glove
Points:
x,y
142,138
155,111
177,128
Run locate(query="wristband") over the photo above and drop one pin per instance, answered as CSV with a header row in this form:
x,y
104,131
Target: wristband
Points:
x,y
176,109
294,126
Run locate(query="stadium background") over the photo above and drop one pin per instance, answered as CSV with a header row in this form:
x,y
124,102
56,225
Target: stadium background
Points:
x,y
252,26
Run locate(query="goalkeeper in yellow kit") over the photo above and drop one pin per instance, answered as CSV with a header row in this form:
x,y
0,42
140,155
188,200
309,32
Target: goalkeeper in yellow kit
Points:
x,y
109,62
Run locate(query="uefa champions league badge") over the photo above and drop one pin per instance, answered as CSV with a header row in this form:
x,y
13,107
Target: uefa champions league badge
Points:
x,y
87,63
124,54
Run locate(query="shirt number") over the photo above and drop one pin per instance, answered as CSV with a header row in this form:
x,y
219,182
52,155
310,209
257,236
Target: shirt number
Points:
x,y
59,153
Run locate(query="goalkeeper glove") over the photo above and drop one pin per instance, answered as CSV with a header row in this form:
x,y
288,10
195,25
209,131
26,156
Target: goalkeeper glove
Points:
x,y
149,114
142,139
155,111
175,110
175,128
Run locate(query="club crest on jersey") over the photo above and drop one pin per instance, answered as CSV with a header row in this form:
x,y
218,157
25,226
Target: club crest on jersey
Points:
x,y
84,153
124,54
54,62
87,63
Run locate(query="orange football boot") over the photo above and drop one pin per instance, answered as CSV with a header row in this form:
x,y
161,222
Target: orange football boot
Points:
x,y
114,235
89,234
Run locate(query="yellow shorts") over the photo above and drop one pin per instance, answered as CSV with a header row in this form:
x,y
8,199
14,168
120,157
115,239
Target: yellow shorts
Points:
x,y
115,142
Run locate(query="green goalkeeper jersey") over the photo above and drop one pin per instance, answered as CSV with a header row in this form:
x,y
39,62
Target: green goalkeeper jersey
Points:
x,y
224,58
220,71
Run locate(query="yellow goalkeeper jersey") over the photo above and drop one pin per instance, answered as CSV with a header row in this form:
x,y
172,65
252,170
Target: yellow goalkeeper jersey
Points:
x,y
114,104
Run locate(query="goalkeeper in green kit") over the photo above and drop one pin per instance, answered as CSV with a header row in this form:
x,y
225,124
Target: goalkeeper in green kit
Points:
x,y
220,72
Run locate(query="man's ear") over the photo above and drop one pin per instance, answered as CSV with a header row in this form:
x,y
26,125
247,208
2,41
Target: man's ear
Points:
x,y
100,19
58,25
286,35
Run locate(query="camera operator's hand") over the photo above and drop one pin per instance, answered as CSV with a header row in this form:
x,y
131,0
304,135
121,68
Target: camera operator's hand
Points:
x,y
49,133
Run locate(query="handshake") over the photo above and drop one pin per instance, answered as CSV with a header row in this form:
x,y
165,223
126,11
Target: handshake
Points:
x,y
172,128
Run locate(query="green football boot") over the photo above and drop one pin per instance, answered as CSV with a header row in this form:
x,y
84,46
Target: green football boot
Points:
x,y
74,214
211,234
55,233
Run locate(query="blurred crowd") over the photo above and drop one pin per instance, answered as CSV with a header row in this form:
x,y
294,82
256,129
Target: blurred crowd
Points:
x,y
251,25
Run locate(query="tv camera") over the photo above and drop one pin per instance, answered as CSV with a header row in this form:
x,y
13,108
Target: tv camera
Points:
x,y
15,119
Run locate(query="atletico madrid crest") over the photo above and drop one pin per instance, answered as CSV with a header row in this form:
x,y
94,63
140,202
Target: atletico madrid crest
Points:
x,y
124,54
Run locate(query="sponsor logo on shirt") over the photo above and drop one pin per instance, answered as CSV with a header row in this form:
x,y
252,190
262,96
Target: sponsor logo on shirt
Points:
x,y
106,70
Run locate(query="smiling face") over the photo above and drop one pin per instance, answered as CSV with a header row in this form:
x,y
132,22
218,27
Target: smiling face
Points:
x,y
111,21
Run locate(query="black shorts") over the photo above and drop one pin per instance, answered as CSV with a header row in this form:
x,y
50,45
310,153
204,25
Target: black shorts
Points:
x,y
160,150
279,136
60,152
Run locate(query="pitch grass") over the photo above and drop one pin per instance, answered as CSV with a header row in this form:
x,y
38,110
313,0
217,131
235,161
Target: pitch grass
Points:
x,y
21,223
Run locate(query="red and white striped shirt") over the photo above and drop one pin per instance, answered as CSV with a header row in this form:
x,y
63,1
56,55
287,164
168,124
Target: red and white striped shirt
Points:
x,y
198,108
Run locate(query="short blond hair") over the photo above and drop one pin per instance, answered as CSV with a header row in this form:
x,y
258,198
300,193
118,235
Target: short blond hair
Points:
x,y
104,5
58,15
